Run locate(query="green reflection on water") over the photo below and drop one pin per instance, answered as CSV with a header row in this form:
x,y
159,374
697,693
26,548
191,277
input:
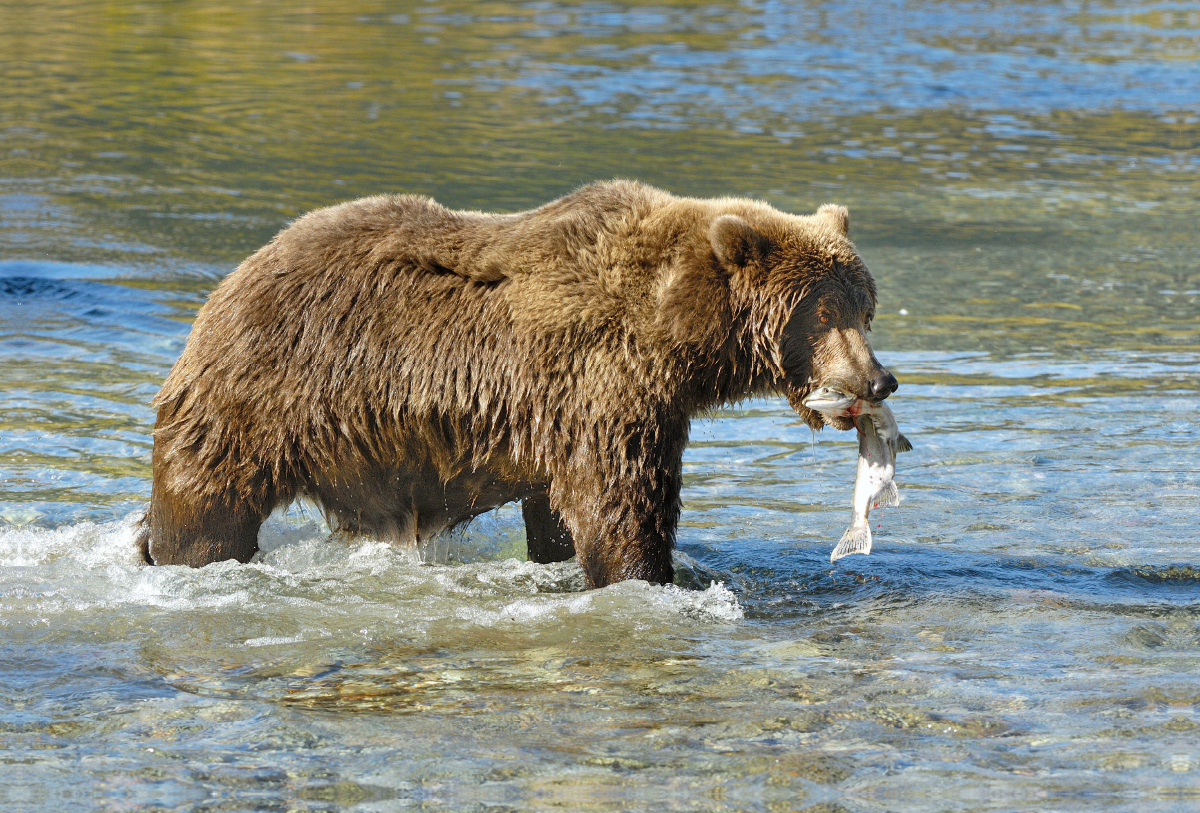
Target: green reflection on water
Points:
x,y
155,136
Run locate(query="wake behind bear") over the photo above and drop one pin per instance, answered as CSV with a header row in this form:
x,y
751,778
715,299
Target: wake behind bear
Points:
x,y
409,367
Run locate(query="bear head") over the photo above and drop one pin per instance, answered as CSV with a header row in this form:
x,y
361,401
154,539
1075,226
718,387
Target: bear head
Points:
x,y
792,294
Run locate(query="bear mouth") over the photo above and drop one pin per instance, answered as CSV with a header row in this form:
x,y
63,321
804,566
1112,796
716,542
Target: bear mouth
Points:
x,y
796,396
816,420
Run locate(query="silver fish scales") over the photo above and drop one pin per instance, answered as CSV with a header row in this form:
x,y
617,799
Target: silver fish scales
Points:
x,y
879,441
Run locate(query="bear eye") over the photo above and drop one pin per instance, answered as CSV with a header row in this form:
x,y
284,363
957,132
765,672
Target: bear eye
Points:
x,y
824,318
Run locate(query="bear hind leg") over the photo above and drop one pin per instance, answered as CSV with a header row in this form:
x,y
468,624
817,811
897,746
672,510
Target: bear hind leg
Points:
x,y
628,531
547,538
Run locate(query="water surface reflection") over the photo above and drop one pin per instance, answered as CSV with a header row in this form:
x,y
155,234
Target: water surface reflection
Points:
x,y
1021,180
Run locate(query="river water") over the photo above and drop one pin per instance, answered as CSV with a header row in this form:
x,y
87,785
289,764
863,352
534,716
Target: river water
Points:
x,y
1022,180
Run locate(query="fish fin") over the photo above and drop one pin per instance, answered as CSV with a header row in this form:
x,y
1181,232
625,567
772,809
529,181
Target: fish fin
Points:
x,y
857,539
902,444
888,496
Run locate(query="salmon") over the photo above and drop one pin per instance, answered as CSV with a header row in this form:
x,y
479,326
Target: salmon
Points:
x,y
879,441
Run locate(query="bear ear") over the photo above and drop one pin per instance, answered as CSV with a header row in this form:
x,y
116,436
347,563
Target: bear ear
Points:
x,y
837,216
736,242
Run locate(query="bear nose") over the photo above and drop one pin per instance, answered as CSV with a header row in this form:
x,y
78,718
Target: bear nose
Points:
x,y
883,385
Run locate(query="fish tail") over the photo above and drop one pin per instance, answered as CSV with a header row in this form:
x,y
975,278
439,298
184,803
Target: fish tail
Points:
x,y
888,496
902,444
857,539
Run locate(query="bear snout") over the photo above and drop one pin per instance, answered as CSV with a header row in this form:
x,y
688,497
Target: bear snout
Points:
x,y
881,386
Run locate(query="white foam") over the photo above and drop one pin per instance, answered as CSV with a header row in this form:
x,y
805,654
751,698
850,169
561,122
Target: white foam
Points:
x,y
321,583
527,611
716,603
89,543
274,640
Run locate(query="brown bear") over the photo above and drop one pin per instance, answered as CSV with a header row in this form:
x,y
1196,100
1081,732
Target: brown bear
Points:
x,y
408,367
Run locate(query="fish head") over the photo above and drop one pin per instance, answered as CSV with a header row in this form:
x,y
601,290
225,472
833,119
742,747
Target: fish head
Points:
x,y
830,401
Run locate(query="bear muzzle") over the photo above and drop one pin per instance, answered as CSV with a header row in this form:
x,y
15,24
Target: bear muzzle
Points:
x,y
881,386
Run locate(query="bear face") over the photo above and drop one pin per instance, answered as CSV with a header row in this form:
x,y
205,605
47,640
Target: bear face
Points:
x,y
808,299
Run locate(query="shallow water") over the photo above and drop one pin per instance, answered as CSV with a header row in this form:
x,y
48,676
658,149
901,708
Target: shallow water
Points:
x,y
1022,181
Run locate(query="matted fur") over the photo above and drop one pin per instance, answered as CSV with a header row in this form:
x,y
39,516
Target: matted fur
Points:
x,y
409,367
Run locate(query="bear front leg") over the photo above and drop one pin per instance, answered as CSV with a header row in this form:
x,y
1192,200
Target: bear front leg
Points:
x,y
627,529
196,529
196,535
206,503
548,540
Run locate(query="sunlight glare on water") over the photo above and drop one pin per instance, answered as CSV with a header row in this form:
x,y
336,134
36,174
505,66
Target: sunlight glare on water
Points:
x,y
1021,180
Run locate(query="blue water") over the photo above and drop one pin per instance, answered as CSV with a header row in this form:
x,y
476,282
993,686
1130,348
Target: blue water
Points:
x,y
1026,632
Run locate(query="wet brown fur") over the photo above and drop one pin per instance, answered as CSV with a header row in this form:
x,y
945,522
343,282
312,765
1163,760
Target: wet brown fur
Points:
x,y
409,367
